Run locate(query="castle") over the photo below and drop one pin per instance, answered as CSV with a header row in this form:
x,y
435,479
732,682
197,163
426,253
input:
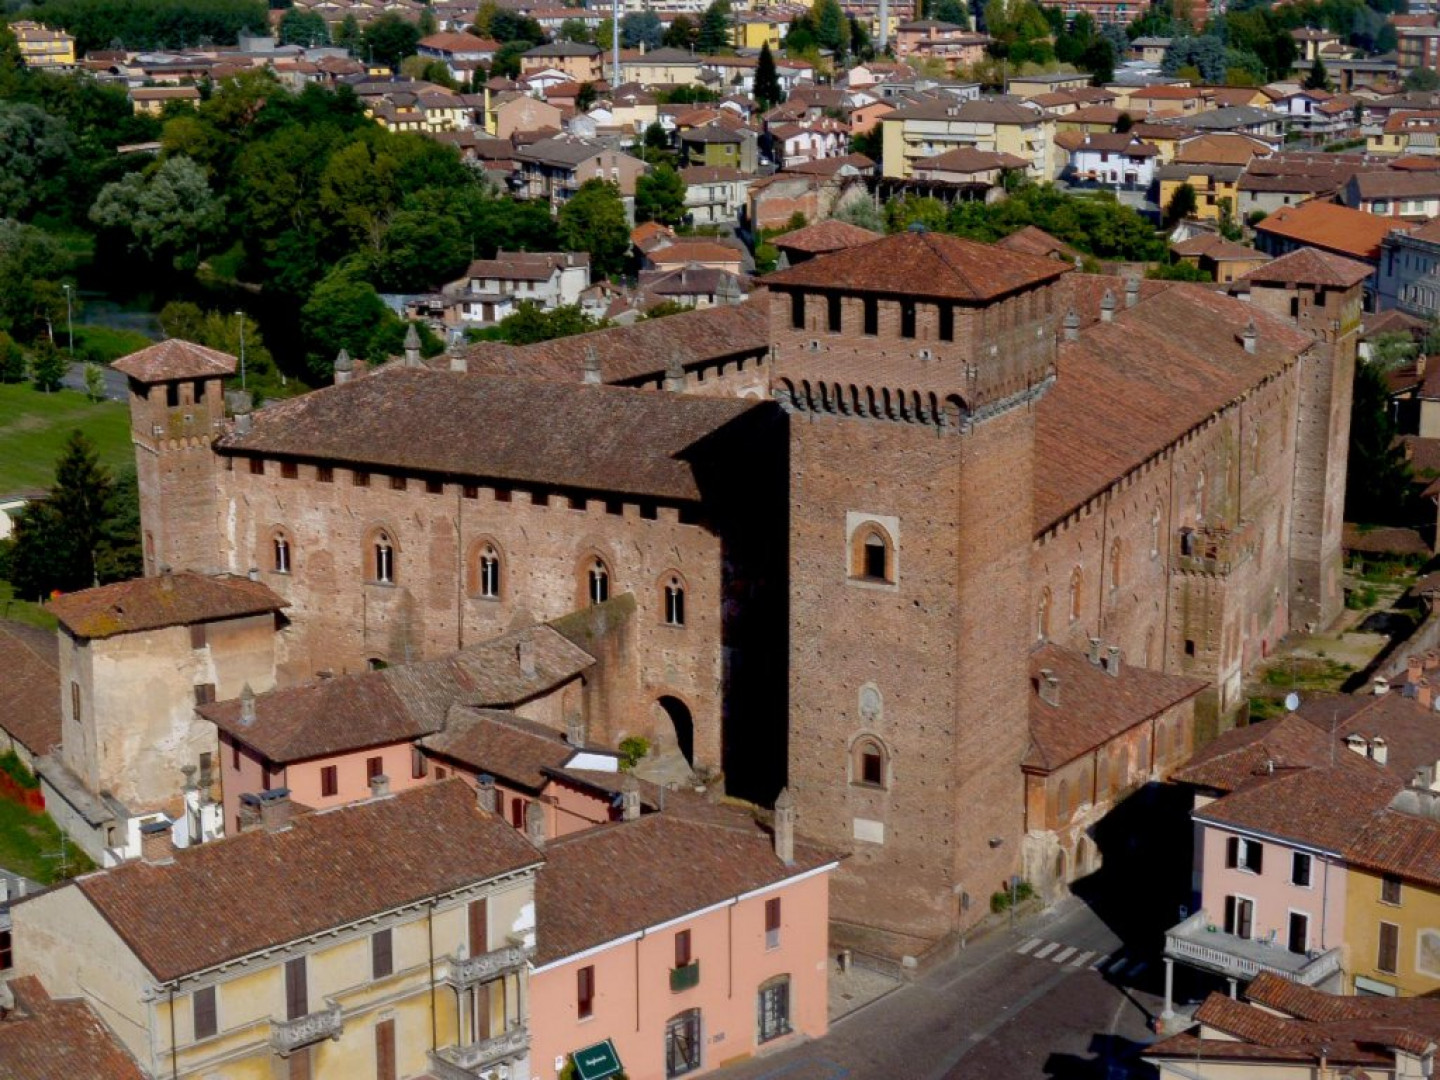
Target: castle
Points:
x,y
845,513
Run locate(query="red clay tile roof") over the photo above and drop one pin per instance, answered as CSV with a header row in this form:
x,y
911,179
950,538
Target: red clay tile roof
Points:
x,y
328,869
967,159
1396,185
1128,389
511,748
1334,228
923,264
1094,705
1309,266
175,359
1242,756
1220,148
687,251
1411,731
1033,240
1213,246
373,708
1401,844
677,866
641,351
1384,540
152,603
30,689
824,237
585,438
43,1039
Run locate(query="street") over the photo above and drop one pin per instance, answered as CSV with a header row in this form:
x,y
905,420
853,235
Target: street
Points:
x,y
1059,996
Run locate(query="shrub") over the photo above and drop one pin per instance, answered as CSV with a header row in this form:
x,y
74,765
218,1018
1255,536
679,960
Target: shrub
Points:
x,y
632,750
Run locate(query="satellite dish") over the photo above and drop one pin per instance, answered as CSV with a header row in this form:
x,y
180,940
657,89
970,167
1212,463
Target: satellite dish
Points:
x,y
1292,701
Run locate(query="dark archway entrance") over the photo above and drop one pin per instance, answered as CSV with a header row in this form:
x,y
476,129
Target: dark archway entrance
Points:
x,y
680,720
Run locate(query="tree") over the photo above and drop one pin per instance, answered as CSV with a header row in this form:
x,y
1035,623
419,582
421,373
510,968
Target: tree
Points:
x,y
344,312
681,32
714,33
30,261
530,324
1317,78
832,29
1422,80
1098,58
348,34
35,158
507,59
12,360
507,25
641,28
767,79
576,30
48,366
1124,123
1182,204
389,39
1377,483
660,196
169,214
94,381
593,220
307,28
956,12
64,540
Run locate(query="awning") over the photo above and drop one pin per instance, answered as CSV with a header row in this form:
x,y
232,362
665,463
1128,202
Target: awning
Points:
x,y
596,1062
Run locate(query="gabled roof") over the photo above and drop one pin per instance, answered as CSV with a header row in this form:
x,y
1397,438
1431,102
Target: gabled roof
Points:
x,y
1214,246
328,869
511,748
1309,266
1326,225
824,236
588,438
581,901
153,603
1095,706
925,264
42,1039
1243,756
966,159
1033,240
1396,185
175,359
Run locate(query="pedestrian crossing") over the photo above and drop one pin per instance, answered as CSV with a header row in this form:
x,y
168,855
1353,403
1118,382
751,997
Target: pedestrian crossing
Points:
x,y
1112,965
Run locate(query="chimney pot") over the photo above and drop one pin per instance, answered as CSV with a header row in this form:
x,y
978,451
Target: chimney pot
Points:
x,y
674,376
412,347
1248,338
1132,291
592,365
458,360
1432,660
155,844
247,706
1112,661
1049,688
1072,326
344,368
379,785
785,827
535,823
1379,751
276,809
1107,307
486,796
1094,651
254,573
1424,693
629,798
575,729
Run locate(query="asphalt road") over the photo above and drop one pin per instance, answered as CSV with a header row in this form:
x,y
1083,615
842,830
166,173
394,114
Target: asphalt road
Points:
x,y
115,384
1058,997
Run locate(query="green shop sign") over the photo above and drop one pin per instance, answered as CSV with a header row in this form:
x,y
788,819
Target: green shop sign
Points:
x,y
596,1062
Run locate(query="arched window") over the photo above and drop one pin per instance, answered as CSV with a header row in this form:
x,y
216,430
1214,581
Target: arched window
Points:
x,y
1042,615
487,573
1155,532
1077,587
674,597
869,763
872,556
1116,556
773,1008
599,582
1062,801
280,545
382,558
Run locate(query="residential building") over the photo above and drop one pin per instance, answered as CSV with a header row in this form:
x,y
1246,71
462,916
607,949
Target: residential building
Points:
x,y
1104,12
492,288
932,39
575,60
462,53
1121,162
387,938
1224,260
1409,273
43,48
1238,120
1411,196
1027,87
1417,47
1324,226
660,67
981,168
924,130
715,196
554,169
1268,183
713,146
1312,43
151,100
721,954
792,145
758,29
514,113
135,658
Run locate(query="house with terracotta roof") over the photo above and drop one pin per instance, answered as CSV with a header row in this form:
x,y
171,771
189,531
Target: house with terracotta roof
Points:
x,y
389,937
821,238
680,942
1412,196
1120,162
964,165
579,61
923,129
715,195
43,1037
135,659
493,288
1224,260
933,39
42,47
1408,276
1327,227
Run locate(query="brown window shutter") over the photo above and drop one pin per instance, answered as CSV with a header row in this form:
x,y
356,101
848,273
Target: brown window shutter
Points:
x,y
385,1050
205,1018
300,1064
772,914
297,990
382,953
479,927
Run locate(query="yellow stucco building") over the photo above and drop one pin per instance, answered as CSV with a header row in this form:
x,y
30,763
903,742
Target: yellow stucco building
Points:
x,y
41,47
314,946
1392,906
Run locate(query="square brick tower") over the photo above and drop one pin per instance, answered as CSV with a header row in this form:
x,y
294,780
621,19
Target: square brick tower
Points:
x,y
1323,294
177,409
911,367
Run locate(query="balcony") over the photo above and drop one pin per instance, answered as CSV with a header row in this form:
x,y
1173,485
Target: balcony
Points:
x,y
287,1036
468,1062
685,978
465,973
1197,944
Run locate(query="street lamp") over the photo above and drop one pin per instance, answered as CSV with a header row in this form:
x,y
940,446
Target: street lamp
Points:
x,y
241,316
69,321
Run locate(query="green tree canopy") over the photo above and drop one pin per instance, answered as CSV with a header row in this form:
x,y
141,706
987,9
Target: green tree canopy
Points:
x,y
767,79
681,33
714,33
169,214
345,312
660,196
1317,78
593,220
35,151
1182,204
307,28
641,28
390,39
1377,483
951,11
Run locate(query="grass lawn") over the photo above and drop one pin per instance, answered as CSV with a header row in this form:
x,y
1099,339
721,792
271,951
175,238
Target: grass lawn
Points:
x,y
30,845
34,427
23,610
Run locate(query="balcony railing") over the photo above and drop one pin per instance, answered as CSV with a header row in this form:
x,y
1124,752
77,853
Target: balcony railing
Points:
x,y
1196,943
467,1062
287,1036
684,978
489,965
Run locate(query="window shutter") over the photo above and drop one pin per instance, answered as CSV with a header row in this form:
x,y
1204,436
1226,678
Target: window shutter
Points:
x,y
382,955
385,1050
772,914
204,1012
1232,852
1257,856
479,927
297,991
1230,914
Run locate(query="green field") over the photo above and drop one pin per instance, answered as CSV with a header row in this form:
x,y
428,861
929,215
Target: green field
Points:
x,y
34,427
30,846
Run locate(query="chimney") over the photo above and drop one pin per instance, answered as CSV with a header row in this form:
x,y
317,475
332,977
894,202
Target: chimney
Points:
x,y
167,582
241,404
1379,751
1356,743
379,785
344,368
189,771
1107,307
629,798
249,812
276,809
1413,668
458,360
1049,688
674,376
1093,653
1112,661
486,796
535,823
1424,693
525,654
253,573
247,706
575,729
592,366
785,827
1072,326
1431,660
412,347
155,846
1248,337
1132,291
